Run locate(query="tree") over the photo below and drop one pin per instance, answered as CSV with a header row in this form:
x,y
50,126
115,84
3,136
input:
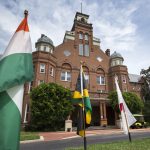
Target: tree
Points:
x,y
146,84
50,107
146,92
134,103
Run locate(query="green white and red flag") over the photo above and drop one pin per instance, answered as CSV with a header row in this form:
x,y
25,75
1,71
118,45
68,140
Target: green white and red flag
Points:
x,y
16,68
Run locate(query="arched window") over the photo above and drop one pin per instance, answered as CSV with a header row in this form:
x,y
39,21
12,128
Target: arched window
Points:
x,y
80,35
86,74
100,79
86,37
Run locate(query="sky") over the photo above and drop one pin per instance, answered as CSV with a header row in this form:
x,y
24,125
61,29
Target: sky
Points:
x,y
122,25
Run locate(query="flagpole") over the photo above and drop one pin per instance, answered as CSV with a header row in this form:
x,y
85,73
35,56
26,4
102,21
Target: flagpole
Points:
x,y
85,145
121,101
129,135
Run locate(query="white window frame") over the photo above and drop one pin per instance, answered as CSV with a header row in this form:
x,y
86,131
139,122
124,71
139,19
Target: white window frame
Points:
x,y
66,75
100,80
42,68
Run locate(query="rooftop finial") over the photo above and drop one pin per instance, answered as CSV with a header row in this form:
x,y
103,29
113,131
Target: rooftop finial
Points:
x,y
25,13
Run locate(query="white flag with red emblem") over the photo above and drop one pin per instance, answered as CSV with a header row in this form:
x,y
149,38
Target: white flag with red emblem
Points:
x,y
126,116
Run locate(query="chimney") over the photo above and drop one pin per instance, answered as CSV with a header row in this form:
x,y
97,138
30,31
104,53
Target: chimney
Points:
x,y
107,52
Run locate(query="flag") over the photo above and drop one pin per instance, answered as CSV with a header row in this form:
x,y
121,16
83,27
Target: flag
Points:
x,y
126,116
82,92
16,68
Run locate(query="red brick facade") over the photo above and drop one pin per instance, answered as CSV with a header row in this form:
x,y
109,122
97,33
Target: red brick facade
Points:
x,y
61,65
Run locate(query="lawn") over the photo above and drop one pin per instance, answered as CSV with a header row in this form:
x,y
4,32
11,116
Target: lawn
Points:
x,y
29,136
142,144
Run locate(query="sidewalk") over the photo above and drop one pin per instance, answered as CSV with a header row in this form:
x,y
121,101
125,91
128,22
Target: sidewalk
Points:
x,y
51,136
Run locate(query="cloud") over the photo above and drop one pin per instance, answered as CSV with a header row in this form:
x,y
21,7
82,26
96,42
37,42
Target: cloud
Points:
x,y
116,23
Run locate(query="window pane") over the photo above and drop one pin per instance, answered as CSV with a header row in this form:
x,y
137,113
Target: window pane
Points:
x,y
40,82
86,77
68,76
102,80
51,71
45,48
98,80
63,76
81,49
80,36
42,68
86,50
86,37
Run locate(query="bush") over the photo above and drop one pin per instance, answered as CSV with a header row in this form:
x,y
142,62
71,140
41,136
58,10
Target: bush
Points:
x,y
134,103
51,104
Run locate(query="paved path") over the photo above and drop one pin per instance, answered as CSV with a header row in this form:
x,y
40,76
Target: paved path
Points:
x,y
63,140
52,136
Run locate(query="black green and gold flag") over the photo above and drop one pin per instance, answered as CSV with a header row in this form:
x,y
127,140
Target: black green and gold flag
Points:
x,y
77,99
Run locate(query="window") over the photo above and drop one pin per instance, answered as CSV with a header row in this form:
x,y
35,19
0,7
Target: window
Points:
x,y
65,76
42,68
80,36
124,79
51,71
51,50
86,50
86,76
81,49
38,48
44,48
100,80
47,49
86,37
40,82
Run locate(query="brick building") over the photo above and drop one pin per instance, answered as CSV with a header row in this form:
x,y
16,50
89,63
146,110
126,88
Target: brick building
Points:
x,y
61,65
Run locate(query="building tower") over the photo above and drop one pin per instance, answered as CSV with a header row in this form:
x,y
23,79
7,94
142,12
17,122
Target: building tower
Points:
x,y
117,68
44,63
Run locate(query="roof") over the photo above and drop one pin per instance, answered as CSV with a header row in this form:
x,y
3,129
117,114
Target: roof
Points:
x,y
116,55
134,78
45,39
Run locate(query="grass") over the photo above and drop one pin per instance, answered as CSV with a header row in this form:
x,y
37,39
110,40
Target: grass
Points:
x,y
142,144
29,136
